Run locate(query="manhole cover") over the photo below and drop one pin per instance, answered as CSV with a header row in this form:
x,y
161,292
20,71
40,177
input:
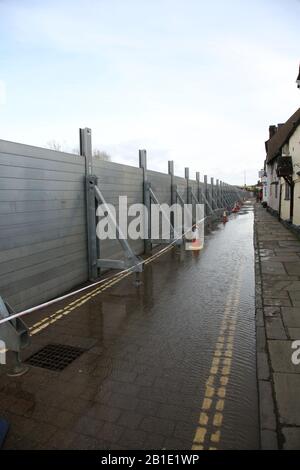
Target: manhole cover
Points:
x,y
55,356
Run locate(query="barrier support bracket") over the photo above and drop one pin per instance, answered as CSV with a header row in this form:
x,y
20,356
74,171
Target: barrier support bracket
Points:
x,y
15,337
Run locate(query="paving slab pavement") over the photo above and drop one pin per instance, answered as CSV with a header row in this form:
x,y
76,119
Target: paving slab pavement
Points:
x,y
277,272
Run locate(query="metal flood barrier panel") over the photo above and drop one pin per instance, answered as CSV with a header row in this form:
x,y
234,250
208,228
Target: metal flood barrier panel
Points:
x,y
43,215
116,180
43,249
161,185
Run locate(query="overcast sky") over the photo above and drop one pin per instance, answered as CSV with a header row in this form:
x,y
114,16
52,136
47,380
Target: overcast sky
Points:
x,y
195,81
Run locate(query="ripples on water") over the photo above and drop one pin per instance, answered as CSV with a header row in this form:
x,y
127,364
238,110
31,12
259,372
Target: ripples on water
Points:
x,y
170,325
199,286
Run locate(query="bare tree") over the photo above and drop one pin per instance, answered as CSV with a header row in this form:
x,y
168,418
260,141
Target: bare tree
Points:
x,y
101,155
54,145
75,150
97,154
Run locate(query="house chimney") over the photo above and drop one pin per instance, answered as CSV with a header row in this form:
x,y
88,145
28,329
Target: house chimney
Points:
x,y
280,125
272,131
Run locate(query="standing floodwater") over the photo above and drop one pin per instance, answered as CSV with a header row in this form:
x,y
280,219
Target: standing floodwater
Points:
x,y
167,365
190,298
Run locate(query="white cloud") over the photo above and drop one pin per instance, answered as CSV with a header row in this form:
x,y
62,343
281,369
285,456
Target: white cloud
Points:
x,y
197,85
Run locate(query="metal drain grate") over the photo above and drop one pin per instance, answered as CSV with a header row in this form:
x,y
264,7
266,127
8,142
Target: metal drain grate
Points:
x,y
55,356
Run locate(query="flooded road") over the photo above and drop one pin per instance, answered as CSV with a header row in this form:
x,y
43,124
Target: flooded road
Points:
x,y
170,364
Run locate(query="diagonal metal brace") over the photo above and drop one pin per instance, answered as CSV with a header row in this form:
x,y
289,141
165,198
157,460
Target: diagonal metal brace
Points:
x,y
178,196
132,260
178,239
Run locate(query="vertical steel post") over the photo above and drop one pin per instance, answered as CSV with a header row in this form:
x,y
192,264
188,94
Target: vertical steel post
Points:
x,y
173,195
188,189
147,201
171,173
189,199
212,192
93,252
230,195
221,194
227,195
233,194
85,145
206,195
217,194
198,187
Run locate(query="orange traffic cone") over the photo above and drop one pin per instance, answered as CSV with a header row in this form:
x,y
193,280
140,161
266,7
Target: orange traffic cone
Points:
x,y
235,207
195,244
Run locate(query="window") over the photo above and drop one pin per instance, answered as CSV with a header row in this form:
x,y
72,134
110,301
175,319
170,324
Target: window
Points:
x,y
287,192
276,190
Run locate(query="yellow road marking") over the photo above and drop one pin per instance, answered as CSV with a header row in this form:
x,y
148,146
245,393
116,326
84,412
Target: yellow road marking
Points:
x,y
218,418
228,323
203,420
49,320
227,361
224,380
206,404
210,380
226,370
215,437
221,392
220,405
200,435
220,365
209,391
74,304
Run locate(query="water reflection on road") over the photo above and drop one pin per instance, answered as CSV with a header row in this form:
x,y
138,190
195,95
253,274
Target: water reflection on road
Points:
x,y
170,364
171,325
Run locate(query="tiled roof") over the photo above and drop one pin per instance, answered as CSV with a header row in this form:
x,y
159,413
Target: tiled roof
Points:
x,y
284,132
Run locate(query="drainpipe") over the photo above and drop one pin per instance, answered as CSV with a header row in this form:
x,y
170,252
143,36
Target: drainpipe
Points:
x,y
292,201
280,197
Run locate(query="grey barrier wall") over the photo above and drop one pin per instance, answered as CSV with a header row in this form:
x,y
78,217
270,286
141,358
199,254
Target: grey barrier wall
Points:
x,y
181,186
42,221
43,229
161,185
116,180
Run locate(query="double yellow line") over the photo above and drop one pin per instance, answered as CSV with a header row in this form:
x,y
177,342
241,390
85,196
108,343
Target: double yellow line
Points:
x,y
61,313
208,432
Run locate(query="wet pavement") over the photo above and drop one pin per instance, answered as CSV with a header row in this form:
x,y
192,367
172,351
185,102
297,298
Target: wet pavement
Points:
x,y
278,325
167,365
